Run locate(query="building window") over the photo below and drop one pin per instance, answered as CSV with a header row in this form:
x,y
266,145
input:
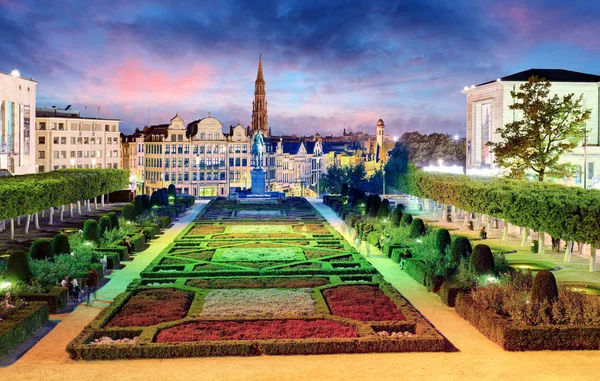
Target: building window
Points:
x,y
201,176
180,138
210,136
180,149
179,162
244,162
202,136
208,176
244,148
167,176
186,149
41,140
231,162
99,140
73,154
173,138
86,154
86,140
590,171
92,140
55,140
42,169
231,148
195,151
208,148
55,154
79,140
41,154
63,140
237,161
186,176
186,162
201,149
61,126
53,125
216,175
194,176
222,175
167,150
63,154
42,126
79,154
72,140
237,148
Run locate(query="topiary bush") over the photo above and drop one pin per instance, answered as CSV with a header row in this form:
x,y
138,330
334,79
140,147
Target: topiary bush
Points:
x,y
460,248
482,260
91,231
114,220
396,216
417,228
17,267
375,204
368,203
60,244
155,199
139,205
41,249
104,225
164,197
172,191
406,219
384,209
129,212
146,202
544,287
442,240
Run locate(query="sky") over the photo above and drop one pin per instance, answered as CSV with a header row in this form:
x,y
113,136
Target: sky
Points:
x,y
328,65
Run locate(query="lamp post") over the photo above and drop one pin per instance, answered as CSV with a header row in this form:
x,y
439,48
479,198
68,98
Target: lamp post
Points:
x,y
198,175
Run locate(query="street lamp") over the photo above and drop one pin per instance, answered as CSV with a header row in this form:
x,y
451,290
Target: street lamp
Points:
x,y
72,163
198,175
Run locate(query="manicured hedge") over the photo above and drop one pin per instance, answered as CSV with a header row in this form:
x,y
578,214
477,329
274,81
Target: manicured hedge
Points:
x,y
417,270
448,293
21,324
27,194
121,251
56,298
164,221
511,338
565,212
138,241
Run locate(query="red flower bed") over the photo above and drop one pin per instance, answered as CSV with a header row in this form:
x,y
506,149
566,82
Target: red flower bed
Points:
x,y
361,302
254,330
149,307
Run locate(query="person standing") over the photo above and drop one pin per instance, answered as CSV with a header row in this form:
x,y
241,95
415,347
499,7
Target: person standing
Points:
x,y
91,280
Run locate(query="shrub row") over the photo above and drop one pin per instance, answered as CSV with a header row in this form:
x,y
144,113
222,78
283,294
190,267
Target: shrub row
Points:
x,y
56,298
26,194
21,324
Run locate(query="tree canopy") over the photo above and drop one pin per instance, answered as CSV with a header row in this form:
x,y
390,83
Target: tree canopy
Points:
x,y
424,150
549,127
337,175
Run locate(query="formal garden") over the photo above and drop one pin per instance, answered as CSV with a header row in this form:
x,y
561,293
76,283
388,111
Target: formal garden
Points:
x,y
516,306
239,282
30,281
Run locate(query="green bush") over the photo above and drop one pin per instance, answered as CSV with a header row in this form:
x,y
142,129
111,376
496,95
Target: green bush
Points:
x,y
460,248
373,238
60,244
396,216
482,260
368,203
344,189
417,228
172,191
155,200
114,220
129,212
90,231
21,324
442,240
41,249
406,219
138,241
146,202
139,205
544,287
104,225
384,209
17,267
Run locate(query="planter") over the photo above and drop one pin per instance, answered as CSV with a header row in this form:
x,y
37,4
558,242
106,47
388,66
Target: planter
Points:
x,y
501,331
22,324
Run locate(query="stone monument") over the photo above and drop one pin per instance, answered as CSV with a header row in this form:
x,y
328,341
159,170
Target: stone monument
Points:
x,y
258,174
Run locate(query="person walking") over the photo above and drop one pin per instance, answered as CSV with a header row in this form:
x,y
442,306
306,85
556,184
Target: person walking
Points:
x,y
91,280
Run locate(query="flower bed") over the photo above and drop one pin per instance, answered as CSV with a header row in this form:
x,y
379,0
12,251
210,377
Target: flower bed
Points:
x,y
311,228
234,254
361,302
254,330
268,302
259,282
149,307
206,229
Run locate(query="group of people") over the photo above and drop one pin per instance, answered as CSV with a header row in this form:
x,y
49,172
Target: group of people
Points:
x,y
90,281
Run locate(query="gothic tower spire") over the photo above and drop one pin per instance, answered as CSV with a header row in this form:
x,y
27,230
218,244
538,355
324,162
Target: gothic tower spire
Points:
x,y
259,106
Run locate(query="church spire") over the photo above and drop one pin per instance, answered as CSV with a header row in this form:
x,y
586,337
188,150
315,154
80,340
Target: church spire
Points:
x,y
259,106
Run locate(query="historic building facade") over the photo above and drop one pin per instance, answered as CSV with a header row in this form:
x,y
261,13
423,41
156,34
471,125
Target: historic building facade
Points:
x,y
488,110
202,160
65,139
17,124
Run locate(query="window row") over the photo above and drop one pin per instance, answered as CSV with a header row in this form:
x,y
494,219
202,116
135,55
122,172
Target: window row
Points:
x,y
77,140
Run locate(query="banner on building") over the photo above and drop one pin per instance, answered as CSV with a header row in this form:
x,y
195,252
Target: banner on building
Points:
x,y
26,129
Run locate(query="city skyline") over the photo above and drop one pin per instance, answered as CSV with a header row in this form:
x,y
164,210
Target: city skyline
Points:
x,y
327,66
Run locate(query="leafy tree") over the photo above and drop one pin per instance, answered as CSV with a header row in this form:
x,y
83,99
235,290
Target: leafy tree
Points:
x,y
550,126
424,150
337,176
60,244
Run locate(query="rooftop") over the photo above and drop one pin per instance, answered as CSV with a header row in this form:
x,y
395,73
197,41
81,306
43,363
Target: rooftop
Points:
x,y
552,75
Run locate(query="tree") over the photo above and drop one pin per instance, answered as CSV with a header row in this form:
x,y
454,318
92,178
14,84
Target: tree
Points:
x,y
424,150
337,176
550,126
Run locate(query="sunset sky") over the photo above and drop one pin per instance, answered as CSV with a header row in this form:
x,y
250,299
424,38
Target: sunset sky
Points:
x,y
327,64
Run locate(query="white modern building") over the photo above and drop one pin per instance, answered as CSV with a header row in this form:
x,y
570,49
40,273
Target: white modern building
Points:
x,y
65,139
488,110
17,121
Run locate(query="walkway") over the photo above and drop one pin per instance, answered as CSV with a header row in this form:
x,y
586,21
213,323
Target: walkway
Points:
x,y
478,358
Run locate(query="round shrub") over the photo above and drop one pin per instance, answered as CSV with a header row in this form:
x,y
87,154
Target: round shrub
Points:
x,y
104,225
406,219
155,199
17,267
417,228
164,196
129,212
442,240
384,209
396,216
172,191
544,287
146,202
90,231
460,248
114,220
41,249
139,205
482,260
60,244
375,204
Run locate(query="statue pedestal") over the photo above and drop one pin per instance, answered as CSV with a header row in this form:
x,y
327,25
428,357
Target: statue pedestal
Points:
x,y
259,179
